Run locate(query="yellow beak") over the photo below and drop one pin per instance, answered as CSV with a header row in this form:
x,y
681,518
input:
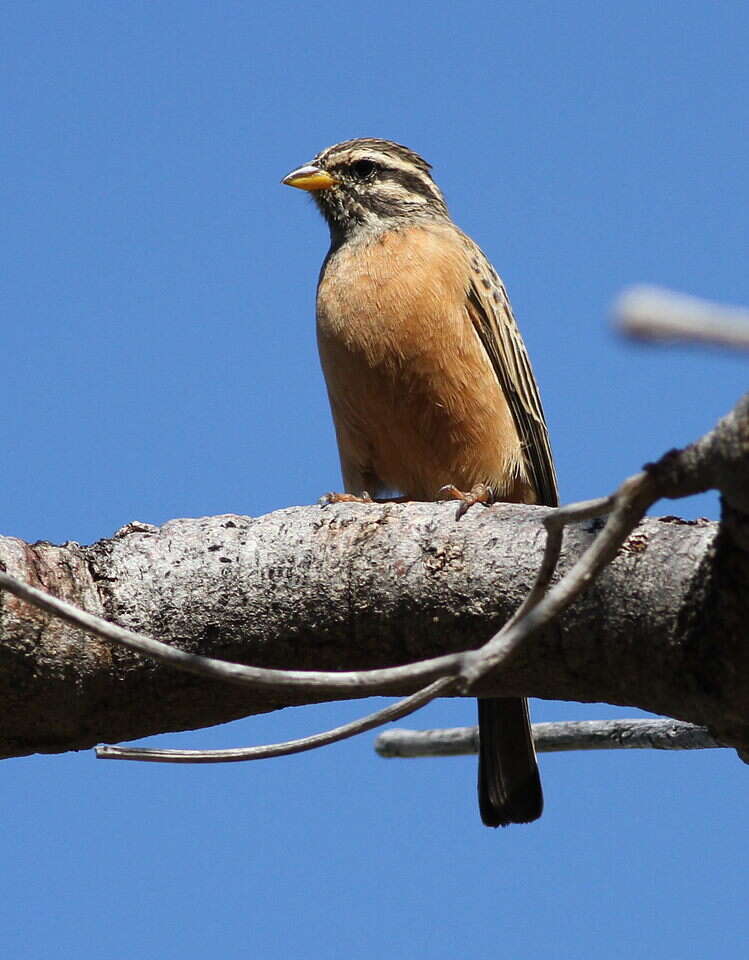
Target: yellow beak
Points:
x,y
309,177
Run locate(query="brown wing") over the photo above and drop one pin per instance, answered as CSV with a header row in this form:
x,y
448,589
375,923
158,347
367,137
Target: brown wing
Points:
x,y
491,314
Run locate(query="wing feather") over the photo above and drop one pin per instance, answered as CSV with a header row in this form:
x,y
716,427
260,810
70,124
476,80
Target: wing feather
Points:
x,y
491,314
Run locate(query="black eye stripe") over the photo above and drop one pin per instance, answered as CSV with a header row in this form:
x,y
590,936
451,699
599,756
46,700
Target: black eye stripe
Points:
x,y
411,182
367,169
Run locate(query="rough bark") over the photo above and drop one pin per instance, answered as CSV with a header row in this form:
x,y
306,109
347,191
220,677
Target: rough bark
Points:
x,y
354,586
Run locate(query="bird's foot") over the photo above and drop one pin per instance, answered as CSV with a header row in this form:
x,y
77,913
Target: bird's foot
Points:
x,y
327,498
479,493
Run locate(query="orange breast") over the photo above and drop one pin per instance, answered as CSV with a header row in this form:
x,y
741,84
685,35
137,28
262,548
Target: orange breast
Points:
x,y
415,400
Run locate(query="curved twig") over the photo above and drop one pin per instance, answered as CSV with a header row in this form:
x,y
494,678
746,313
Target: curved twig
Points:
x,y
555,522
392,712
631,501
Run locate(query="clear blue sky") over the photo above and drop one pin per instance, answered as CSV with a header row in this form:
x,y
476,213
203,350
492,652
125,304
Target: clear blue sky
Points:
x,y
158,360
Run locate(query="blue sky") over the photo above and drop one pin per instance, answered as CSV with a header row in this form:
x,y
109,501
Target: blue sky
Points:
x,y
158,360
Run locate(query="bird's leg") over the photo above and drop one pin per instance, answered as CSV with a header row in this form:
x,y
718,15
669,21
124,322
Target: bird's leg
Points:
x,y
327,498
364,497
479,493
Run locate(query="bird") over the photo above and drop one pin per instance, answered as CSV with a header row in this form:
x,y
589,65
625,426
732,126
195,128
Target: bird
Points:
x,y
430,385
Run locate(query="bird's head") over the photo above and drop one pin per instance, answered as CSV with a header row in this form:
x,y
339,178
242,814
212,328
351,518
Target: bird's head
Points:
x,y
369,185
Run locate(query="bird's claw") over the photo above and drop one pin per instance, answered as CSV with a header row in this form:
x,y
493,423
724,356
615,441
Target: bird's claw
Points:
x,y
479,493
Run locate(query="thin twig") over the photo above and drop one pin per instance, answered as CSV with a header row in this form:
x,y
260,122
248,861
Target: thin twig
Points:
x,y
632,499
392,712
653,313
554,738
555,522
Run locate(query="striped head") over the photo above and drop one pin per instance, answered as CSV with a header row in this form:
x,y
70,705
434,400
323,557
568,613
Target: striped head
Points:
x,y
370,185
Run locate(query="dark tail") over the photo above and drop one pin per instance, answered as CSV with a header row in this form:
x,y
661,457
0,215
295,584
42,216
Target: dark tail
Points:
x,y
509,782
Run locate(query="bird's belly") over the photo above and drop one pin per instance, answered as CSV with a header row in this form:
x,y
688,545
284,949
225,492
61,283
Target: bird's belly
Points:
x,y
418,421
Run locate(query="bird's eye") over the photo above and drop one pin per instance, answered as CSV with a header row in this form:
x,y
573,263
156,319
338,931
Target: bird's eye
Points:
x,y
363,169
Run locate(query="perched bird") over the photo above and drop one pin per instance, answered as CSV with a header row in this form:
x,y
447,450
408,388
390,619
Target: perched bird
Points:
x,y
430,385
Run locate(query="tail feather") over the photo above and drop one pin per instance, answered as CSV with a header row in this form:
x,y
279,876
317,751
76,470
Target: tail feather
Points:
x,y
509,781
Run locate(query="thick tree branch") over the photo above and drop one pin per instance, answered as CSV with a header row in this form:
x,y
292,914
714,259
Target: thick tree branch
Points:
x,y
297,589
